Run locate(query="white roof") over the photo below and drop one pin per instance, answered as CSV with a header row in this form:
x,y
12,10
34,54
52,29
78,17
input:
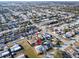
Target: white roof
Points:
x,y
5,53
15,47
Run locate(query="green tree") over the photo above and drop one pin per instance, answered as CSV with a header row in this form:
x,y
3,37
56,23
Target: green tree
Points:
x,y
58,53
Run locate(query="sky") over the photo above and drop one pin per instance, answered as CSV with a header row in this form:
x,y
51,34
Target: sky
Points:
x,y
38,0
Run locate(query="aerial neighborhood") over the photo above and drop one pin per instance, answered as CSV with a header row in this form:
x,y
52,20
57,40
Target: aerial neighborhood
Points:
x,y
39,29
